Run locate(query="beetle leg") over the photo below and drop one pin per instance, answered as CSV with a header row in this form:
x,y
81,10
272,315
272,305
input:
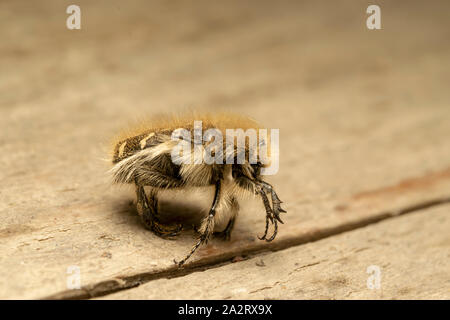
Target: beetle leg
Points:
x,y
147,209
226,234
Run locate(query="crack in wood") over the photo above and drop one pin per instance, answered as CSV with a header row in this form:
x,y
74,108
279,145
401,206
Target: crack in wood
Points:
x,y
127,282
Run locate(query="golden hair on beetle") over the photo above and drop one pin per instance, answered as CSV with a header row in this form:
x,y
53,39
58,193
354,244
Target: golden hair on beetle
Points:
x,y
143,155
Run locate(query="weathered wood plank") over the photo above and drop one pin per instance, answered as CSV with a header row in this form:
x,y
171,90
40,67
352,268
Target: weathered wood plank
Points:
x,y
411,253
364,132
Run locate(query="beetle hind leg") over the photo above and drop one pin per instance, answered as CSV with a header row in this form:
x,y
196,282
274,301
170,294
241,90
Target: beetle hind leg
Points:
x,y
147,208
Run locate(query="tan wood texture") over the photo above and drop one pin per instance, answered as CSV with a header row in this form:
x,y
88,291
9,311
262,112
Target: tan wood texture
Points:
x,y
411,253
364,121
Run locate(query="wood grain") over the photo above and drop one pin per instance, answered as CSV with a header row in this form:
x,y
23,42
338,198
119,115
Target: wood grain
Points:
x,y
364,122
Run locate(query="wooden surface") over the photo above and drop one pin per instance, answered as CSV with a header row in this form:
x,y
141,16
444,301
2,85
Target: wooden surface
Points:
x,y
364,119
